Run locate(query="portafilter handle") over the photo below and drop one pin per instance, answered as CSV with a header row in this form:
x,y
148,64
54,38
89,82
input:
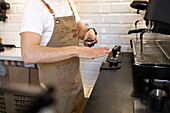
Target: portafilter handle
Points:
x,y
114,51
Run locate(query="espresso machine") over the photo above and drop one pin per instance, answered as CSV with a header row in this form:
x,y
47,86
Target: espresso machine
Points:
x,y
151,58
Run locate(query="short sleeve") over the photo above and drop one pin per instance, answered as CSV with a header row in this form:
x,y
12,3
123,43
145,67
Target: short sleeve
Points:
x,y
75,11
32,19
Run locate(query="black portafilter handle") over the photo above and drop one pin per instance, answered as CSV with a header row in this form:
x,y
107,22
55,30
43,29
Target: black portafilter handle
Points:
x,y
140,5
114,51
136,31
119,48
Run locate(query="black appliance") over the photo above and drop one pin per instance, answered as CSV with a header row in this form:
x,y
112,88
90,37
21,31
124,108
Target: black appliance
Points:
x,y
151,59
153,71
4,6
3,46
158,12
139,5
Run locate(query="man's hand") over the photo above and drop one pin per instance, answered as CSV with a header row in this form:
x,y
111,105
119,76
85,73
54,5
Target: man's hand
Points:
x,y
91,53
84,33
91,34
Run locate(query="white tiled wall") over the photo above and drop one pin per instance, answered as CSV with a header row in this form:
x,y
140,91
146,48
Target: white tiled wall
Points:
x,y
111,18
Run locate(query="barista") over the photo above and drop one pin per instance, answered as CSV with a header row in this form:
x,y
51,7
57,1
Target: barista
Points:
x,y
49,36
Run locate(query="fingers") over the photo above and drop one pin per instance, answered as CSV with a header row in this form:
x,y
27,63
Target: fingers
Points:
x,y
103,50
91,53
100,52
91,34
96,39
98,56
101,55
85,37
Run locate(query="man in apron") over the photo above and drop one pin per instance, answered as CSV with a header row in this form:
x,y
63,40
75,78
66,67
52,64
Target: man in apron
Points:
x,y
59,59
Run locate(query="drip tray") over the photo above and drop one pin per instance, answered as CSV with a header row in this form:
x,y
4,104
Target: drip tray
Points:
x,y
145,107
154,52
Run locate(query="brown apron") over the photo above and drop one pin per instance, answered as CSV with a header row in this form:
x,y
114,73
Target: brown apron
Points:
x,y
64,75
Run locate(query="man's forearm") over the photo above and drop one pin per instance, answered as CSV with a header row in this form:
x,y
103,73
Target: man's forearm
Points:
x,y
81,30
33,52
41,54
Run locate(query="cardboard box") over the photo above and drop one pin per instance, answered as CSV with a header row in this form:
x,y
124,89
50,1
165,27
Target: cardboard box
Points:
x,y
34,76
18,75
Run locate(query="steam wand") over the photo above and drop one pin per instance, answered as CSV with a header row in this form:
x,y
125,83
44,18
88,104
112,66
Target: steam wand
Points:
x,y
136,23
141,41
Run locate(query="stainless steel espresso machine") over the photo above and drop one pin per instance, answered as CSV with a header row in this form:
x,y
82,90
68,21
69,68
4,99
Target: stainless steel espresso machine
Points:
x,y
151,58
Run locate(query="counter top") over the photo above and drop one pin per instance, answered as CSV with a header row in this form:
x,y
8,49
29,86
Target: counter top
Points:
x,y
13,54
112,91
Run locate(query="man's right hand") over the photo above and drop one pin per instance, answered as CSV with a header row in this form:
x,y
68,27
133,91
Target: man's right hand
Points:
x,y
91,53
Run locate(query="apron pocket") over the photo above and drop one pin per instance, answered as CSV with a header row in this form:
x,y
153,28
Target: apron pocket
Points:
x,y
66,76
67,70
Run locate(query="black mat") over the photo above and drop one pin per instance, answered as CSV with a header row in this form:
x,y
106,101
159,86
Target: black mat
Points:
x,y
111,63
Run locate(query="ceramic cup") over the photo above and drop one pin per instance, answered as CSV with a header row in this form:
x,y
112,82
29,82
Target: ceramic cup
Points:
x,y
89,42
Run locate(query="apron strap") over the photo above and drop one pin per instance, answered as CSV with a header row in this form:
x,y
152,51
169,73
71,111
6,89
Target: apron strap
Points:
x,y
70,6
51,10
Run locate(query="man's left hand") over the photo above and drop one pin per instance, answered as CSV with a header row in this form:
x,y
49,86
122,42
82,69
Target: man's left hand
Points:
x,y
91,34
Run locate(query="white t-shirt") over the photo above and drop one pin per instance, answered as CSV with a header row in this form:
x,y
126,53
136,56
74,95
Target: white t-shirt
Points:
x,y
38,19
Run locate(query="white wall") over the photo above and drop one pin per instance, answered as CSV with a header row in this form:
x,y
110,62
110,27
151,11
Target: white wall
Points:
x,y
111,18
9,31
